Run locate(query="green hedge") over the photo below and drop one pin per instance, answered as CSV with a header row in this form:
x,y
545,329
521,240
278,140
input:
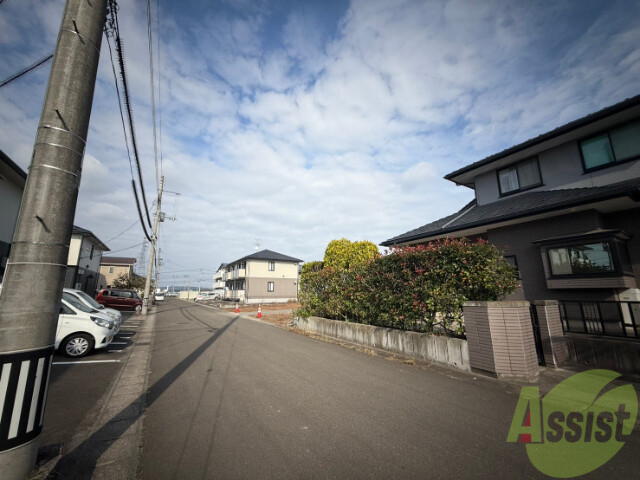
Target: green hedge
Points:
x,y
418,288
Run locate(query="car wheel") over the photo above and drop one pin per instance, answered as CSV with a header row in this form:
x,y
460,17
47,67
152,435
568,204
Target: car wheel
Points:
x,y
77,345
138,308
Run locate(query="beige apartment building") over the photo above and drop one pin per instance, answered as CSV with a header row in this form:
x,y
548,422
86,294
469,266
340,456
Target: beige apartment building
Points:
x,y
263,277
111,267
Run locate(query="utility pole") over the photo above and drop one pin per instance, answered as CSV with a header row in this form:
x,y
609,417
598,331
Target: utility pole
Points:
x,y
158,268
159,218
38,261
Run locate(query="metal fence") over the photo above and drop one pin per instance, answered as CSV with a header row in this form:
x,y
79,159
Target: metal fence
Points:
x,y
609,319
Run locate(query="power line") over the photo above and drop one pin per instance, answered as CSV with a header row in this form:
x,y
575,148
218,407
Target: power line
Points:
x,y
24,71
153,90
115,28
112,29
123,232
128,248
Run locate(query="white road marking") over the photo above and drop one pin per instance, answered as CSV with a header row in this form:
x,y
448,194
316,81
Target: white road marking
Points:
x,y
86,362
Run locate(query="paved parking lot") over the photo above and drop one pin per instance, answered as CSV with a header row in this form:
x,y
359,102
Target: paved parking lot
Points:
x,y
77,388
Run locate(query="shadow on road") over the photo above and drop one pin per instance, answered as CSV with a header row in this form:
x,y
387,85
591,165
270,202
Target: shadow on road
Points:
x,y
80,463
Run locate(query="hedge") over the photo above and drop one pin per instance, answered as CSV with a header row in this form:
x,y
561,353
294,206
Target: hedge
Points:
x,y
418,288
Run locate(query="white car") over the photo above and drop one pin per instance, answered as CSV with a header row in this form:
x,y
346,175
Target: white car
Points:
x,y
82,329
159,296
91,303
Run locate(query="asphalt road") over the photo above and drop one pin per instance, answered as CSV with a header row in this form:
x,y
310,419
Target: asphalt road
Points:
x,y
233,398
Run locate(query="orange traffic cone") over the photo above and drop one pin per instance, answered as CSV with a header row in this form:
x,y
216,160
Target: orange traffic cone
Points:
x,y
259,311
237,309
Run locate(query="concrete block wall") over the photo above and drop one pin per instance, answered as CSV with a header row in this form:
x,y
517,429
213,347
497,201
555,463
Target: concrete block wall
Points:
x,y
500,338
435,348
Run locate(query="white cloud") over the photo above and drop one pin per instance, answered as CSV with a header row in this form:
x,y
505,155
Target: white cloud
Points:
x,y
279,131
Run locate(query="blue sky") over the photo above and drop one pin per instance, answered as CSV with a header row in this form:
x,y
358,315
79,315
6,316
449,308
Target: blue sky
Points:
x,y
298,122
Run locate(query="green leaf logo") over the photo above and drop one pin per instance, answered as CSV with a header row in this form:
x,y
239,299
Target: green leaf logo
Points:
x,y
583,427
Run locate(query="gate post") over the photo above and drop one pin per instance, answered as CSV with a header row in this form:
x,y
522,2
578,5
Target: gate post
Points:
x,y
500,339
554,345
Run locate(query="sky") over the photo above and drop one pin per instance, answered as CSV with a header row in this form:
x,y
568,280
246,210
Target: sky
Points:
x,y
292,123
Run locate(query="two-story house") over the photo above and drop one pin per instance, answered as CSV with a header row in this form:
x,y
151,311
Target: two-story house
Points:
x,y
12,182
562,206
263,277
83,263
113,267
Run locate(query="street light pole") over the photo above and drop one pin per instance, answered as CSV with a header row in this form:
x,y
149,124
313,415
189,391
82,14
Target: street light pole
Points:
x,y
38,261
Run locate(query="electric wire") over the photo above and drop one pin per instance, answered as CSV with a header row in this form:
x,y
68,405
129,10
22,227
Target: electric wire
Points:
x,y
153,90
127,100
133,184
124,129
26,70
159,81
123,232
128,248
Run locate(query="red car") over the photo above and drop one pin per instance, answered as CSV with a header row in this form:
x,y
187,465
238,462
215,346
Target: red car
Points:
x,y
120,299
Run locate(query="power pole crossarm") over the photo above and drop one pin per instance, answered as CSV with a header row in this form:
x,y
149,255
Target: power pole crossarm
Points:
x,y
38,260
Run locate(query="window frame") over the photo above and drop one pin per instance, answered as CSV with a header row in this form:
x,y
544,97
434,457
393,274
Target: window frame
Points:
x,y
614,244
272,266
514,264
606,132
515,165
271,286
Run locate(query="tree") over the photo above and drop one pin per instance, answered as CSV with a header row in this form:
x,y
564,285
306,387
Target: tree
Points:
x,y
131,282
343,254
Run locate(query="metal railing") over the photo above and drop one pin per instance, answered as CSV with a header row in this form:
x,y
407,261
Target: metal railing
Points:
x,y
609,319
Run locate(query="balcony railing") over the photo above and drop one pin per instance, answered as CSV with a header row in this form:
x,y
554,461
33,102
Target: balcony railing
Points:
x,y
609,319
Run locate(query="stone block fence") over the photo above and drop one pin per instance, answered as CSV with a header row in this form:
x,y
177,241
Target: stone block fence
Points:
x,y
500,341
434,348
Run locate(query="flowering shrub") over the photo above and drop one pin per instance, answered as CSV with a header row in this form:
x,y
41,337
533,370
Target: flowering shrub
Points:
x,y
412,288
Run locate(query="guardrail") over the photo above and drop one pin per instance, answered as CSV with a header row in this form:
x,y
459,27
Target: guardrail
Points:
x,y
608,319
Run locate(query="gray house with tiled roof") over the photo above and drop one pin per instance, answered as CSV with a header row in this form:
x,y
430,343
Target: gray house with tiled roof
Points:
x,y
563,206
262,277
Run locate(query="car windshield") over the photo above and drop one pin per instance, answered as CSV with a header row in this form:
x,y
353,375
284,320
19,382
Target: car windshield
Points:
x,y
75,303
89,300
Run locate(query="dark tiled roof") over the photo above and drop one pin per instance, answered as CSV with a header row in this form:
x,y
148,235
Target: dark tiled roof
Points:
x,y
592,117
12,165
268,255
518,206
117,261
88,233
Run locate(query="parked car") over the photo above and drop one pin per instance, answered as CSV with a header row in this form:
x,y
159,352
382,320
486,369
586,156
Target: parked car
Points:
x,y
159,296
206,296
120,299
90,302
82,329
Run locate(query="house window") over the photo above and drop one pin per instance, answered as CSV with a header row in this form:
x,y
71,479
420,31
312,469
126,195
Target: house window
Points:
x,y
617,145
518,177
587,259
511,260
111,269
91,253
269,286
272,266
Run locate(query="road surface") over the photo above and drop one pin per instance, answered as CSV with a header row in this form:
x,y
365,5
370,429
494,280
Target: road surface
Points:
x,y
231,398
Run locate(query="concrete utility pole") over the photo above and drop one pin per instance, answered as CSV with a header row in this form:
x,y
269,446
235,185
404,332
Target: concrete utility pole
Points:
x,y
154,239
37,265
